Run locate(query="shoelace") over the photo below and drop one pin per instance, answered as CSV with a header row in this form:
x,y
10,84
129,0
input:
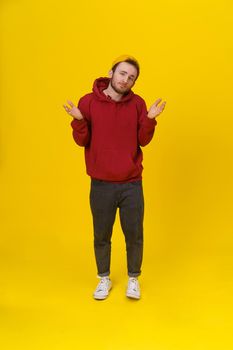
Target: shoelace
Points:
x,y
133,284
103,285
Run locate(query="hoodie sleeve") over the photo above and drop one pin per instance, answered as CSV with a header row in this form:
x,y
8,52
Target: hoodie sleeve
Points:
x,y
146,126
82,128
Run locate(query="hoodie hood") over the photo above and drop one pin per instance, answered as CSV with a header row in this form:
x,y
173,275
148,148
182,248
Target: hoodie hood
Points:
x,y
101,84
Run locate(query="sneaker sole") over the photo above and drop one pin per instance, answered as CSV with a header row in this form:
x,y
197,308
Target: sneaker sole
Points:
x,y
99,297
132,296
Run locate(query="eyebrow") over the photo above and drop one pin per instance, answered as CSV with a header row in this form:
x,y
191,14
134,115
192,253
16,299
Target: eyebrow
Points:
x,y
123,71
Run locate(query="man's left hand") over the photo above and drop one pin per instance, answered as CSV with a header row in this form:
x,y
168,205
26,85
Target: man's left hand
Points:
x,y
155,110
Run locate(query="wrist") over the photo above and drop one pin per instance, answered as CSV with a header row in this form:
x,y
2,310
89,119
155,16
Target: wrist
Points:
x,y
151,117
79,119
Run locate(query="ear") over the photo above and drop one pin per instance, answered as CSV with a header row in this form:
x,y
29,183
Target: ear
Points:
x,y
110,73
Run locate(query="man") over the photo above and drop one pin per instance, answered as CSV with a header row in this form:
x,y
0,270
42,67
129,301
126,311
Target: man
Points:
x,y
112,123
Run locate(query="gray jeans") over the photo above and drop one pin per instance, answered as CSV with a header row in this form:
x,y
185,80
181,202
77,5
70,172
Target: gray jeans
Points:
x,y
105,198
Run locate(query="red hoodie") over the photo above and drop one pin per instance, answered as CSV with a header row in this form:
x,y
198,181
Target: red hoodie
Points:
x,y
112,133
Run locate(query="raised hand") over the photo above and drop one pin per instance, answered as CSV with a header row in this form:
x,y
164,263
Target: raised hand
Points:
x,y
73,110
155,110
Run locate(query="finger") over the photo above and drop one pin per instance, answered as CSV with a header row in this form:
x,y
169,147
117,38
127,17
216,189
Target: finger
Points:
x,y
67,109
71,103
157,102
162,105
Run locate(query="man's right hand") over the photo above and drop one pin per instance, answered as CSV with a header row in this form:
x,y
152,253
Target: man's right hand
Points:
x,y
73,110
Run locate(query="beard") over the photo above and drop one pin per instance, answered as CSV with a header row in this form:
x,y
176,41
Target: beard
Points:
x,y
122,91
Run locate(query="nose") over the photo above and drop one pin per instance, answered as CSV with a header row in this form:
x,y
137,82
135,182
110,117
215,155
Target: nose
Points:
x,y
125,79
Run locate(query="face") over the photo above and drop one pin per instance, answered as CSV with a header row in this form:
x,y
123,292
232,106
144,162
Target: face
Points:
x,y
124,77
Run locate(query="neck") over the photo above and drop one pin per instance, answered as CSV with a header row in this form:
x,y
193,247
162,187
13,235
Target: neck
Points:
x,y
112,93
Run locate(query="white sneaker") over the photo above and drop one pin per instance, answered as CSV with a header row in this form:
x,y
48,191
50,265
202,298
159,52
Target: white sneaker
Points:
x,y
103,288
133,289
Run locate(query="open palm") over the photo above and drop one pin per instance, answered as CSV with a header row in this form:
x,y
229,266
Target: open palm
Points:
x,y
73,110
155,110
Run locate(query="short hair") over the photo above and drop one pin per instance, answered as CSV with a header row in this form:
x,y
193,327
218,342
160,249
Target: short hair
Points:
x,y
130,61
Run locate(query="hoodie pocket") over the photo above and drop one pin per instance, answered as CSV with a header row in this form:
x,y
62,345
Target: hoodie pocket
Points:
x,y
115,164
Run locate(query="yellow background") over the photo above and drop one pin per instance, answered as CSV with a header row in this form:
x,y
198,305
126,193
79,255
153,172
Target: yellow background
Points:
x,y
52,51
